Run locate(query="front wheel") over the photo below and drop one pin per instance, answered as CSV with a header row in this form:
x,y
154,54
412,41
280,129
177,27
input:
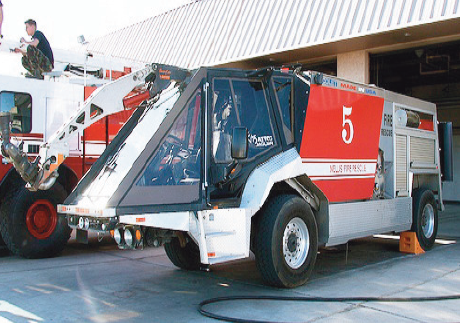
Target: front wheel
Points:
x,y
187,257
30,225
286,241
424,217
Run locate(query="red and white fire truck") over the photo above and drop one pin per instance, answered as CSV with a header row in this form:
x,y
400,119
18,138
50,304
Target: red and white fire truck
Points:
x,y
220,162
29,222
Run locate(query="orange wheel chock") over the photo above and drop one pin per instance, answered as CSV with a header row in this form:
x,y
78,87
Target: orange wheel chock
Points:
x,y
408,243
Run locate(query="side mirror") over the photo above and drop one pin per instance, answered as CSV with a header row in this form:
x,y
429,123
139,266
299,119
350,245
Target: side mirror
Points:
x,y
240,143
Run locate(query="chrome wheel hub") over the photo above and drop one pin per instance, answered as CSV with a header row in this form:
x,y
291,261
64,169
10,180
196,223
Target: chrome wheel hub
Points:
x,y
296,243
427,220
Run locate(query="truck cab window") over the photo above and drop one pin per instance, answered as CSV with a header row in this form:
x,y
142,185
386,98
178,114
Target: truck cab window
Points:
x,y
177,161
223,120
20,107
283,90
240,102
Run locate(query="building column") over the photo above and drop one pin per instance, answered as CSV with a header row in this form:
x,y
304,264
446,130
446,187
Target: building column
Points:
x,y
354,66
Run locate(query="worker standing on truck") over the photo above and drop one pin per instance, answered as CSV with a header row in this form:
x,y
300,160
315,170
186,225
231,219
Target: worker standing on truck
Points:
x,y
38,57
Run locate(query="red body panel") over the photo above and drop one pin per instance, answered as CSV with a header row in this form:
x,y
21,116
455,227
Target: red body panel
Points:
x,y
4,168
340,143
112,124
102,131
109,125
426,125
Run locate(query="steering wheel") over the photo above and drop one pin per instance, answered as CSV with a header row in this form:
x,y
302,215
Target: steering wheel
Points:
x,y
171,151
176,140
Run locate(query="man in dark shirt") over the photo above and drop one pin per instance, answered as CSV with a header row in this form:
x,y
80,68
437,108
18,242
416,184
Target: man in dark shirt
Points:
x,y
38,58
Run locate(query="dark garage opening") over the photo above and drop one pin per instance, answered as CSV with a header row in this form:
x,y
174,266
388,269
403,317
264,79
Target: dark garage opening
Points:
x,y
430,73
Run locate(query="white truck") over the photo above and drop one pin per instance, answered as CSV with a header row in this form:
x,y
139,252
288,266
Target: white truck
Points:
x,y
29,223
278,161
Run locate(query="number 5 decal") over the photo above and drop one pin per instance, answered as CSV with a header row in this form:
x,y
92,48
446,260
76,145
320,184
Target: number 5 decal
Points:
x,y
347,113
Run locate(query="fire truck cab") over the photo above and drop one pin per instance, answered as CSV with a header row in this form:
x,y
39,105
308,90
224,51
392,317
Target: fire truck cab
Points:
x,y
279,162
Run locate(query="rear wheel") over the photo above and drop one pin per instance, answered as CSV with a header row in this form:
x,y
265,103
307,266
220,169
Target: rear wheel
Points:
x,y
286,241
425,217
30,225
187,257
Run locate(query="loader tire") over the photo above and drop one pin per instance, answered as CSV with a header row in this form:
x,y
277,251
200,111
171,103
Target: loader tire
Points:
x,y
30,225
424,217
187,258
286,241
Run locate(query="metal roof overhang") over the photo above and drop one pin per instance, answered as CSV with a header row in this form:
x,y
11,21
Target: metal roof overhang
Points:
x,y
416,36
251,33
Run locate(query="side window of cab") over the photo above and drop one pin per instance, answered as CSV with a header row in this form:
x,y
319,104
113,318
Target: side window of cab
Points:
x,y
20,107
283,90
243,103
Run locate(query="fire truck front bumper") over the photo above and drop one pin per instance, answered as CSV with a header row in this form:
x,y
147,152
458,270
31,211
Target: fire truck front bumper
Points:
x,y
128,231
88,219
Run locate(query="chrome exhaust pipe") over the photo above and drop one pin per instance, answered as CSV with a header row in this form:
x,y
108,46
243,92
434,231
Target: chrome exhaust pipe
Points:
x,y
28,171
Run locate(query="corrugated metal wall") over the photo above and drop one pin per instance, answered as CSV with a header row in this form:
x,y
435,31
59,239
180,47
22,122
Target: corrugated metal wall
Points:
x,y
208,32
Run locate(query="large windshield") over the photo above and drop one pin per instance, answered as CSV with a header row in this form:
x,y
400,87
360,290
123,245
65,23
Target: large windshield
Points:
x,y
115,169
177,160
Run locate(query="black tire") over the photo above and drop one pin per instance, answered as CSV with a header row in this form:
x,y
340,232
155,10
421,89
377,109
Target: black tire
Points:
x,y
424,217
187,258
28,225
290,267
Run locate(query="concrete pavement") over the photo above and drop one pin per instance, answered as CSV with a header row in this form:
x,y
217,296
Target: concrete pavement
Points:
x,y
99,283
